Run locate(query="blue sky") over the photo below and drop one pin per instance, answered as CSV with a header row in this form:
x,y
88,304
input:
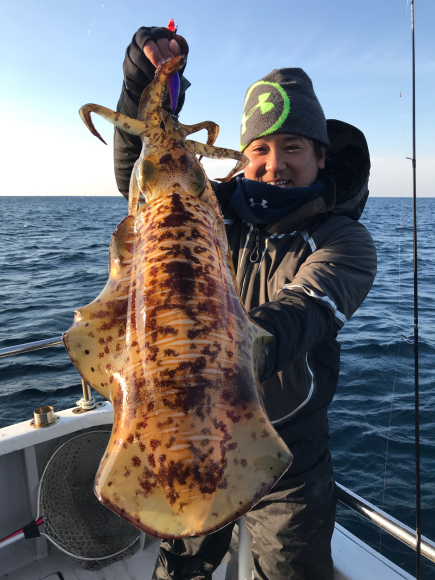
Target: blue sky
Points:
x,y
56,56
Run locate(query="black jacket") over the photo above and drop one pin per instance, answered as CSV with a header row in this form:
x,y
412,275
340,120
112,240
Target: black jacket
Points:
x,y
309,273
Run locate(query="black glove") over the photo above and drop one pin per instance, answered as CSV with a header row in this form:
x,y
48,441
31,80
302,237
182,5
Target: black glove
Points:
x,y
138,69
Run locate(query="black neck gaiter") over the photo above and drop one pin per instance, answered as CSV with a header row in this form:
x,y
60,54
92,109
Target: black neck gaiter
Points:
x,y
259,203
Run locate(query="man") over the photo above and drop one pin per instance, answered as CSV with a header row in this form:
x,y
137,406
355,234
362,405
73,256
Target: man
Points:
x,y
304,264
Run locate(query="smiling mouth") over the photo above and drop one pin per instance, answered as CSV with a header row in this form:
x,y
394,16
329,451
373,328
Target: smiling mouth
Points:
x,y
281,183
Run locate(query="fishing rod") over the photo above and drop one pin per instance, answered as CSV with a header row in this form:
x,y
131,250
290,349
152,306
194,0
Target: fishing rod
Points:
x,y
416,388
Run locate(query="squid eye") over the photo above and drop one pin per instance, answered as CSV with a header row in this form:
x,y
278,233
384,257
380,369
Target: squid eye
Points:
x,y
197,179
145,173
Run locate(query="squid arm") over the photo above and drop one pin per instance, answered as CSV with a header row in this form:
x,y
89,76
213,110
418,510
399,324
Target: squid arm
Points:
x,y
220,153
211,128
132,126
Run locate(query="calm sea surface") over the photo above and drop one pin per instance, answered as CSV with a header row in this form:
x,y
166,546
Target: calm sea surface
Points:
x,y
54,254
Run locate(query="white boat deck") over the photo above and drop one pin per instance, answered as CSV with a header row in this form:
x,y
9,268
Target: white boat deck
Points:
x,y
353,561
23,451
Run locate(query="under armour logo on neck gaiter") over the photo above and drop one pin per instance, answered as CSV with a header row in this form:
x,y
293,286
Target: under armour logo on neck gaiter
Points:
x,y
263,203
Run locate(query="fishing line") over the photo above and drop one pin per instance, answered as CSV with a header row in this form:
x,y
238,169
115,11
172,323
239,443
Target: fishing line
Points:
x,y
416,381
404,20
86,202
402,337
401,114
415,341
93,22
388,438
404,30
395,373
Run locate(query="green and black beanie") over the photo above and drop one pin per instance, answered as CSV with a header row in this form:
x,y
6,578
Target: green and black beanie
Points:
x,y
282,102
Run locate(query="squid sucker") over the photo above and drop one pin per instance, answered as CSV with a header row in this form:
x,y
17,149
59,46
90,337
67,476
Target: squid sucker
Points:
x,y
170,344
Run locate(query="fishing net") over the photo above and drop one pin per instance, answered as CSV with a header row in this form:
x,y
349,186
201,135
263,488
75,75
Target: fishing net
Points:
x,y
75,521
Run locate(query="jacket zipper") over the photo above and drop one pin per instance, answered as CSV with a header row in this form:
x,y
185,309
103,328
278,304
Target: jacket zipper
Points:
x,y
255,254
250,261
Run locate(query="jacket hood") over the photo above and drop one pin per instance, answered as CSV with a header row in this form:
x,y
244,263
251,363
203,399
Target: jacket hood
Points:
x,y
348,164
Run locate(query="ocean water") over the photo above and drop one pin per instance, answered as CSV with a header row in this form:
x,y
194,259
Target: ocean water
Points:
x,y
54,254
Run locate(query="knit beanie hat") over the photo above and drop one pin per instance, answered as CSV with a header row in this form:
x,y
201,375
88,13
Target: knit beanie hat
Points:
x,y
282,102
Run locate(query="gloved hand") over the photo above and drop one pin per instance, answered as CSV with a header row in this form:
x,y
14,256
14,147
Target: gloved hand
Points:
x,y
161,51
150,47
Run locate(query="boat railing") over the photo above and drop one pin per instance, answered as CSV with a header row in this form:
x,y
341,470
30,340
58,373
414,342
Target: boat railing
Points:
x,y
87,402
29,346
386,522
380,518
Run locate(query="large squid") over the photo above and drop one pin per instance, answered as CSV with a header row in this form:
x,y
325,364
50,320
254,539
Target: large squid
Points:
x,y
170,344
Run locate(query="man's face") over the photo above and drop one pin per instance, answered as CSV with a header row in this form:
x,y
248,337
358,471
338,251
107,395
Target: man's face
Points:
x,y
283,159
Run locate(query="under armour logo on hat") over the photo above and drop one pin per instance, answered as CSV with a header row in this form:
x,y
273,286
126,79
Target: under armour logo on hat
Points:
x,y
263,203
263,104
282,102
